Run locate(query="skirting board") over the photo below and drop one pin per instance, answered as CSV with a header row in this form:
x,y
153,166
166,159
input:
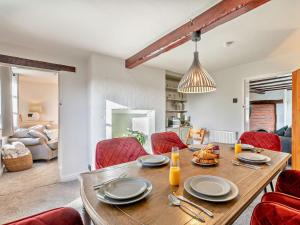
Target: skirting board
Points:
x,y
70,177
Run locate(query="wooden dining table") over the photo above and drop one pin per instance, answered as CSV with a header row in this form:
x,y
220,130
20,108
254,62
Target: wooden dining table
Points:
x,y
155,208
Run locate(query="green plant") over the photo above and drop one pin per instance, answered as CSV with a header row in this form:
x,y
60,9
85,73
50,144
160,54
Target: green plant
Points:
x,y
140,136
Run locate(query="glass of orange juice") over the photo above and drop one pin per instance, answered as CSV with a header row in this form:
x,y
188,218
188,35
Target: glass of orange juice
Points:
x,y
237,148
175,154
174,175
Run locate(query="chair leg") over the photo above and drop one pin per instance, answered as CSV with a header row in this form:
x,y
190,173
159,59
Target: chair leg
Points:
x,y
272,187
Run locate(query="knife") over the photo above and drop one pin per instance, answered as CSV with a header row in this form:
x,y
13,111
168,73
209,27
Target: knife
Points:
x,y
206,211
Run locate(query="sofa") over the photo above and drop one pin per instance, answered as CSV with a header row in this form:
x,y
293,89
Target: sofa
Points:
x,y
41,141
285,135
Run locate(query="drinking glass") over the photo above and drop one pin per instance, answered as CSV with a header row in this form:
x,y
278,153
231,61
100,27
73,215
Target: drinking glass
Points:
x,y
237,148
174,175
175,154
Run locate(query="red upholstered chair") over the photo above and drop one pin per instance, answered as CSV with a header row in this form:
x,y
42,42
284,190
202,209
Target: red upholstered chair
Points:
x,y
60,216
272,213
261,140
118,150
164,141
282,199
288,182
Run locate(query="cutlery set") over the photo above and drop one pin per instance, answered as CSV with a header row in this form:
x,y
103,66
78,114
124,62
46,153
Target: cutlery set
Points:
x,y
237,163
177,202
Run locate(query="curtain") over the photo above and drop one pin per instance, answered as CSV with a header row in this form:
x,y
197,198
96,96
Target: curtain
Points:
x,y
6,101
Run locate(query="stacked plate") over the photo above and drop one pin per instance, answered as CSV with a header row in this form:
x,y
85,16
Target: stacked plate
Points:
x,y
196,147
124,191
153,160
211,188
247,147
253,158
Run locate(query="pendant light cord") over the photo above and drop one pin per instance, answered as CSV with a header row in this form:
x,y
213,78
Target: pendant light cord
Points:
x,y
196,37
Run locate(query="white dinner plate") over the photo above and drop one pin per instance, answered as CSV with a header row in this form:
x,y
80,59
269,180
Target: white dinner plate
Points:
x,y
153,159
204,164
233,193
125,188
247,147
210,185
105,199
252,156
166,161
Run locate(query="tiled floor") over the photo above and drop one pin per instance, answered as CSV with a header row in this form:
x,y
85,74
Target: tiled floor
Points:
x,y
33,191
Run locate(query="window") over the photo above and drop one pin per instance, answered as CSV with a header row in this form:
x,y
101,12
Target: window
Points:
x,y
15,99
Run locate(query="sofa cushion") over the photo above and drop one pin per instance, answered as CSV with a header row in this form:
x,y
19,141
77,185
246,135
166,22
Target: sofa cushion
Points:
x,y
21,133
288,132
51,134
37,134
281,131
53,144
27,141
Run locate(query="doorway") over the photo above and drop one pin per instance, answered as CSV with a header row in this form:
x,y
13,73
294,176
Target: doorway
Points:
x,y
268,107
35,122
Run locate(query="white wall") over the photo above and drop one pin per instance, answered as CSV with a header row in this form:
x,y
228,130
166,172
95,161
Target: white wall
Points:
x,y
216,110
39,92
139,88
289,111
73,146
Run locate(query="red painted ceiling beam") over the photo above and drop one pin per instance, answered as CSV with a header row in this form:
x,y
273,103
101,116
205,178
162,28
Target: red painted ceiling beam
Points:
x,y
220,13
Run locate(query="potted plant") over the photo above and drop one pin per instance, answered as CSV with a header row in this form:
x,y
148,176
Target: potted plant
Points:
x,y
140,136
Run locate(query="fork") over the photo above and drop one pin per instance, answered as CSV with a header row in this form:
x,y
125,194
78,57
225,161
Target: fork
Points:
x,y
97,186
176,202
206,211
245,165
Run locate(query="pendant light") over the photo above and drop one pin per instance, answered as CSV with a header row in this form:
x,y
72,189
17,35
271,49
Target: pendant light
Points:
x,y
196,79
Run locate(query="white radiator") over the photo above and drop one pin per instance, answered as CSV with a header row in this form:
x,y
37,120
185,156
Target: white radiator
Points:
x,y
221,136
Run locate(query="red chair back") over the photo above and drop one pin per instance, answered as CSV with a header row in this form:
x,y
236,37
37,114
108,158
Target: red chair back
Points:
x,y
261,140
117,150
267,213
163,142
59,216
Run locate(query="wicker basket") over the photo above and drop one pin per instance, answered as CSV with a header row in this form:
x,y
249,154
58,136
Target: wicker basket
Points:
x,y
18,164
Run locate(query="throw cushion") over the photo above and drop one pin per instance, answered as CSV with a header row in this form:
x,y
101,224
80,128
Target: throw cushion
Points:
x,y
37,134
281,131
288,132
27,141
39,128
21,133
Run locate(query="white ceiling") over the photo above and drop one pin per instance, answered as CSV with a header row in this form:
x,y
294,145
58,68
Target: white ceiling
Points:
x,y
121,28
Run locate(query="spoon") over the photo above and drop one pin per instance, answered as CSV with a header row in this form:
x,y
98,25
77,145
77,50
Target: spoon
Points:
x,y
176,202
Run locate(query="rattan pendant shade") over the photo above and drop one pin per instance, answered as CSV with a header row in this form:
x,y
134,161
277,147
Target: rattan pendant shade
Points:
x,y
196,79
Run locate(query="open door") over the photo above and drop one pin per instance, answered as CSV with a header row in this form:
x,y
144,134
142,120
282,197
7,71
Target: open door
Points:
x,y
296,120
